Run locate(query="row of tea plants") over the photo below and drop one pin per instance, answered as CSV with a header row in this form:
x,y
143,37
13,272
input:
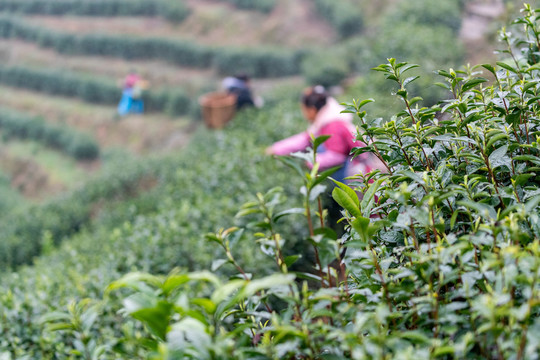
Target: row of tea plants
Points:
x,y
19,125
149,216
262,61
174,11
174,102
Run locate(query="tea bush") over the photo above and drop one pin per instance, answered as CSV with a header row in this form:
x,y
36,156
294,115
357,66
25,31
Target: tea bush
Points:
x,y
10,199
325,68
427,40
357,55
446,13
99,91
259,62
121,180
198,190
78,145
174,11
345,16
443,247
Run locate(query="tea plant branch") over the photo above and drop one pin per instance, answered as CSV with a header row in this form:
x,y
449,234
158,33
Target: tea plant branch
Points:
x,y
221,238
530,303
379,156
506,38
381,276
312,234
396,132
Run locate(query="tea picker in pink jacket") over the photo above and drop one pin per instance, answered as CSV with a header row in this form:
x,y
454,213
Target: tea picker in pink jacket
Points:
x,y
324,115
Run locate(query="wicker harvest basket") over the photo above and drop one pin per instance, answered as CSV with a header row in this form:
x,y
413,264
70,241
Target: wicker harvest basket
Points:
x,y
218,108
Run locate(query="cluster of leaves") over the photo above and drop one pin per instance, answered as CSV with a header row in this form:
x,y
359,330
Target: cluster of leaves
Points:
x,y
260,62
174,11
91,89
74,143
432,35
443,247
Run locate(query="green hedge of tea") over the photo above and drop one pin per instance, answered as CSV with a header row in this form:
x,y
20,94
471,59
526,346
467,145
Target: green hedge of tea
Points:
x,y
79,145
121,180
159,229
264,6
259,62
446,13
326,68
11,199
262,62
57,82
345,16
175,11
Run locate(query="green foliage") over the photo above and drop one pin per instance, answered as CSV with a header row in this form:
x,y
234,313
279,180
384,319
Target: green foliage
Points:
x,y
262,62
67,215
258,62
197,191
10,199
90,89
79,145
345,16
264,6
428,45
174,11
398,43
443,246
444,13
325,68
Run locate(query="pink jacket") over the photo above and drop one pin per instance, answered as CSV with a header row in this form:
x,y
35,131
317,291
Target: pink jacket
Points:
x,y
131,80
337,149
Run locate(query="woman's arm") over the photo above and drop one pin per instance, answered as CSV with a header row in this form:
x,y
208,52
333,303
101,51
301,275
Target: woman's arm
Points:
x,y
289,145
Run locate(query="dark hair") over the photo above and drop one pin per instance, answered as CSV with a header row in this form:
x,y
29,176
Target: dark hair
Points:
x,y
242,77
315,97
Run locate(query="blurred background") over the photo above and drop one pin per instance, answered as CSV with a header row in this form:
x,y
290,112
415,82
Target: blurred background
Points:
x,y
64,63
